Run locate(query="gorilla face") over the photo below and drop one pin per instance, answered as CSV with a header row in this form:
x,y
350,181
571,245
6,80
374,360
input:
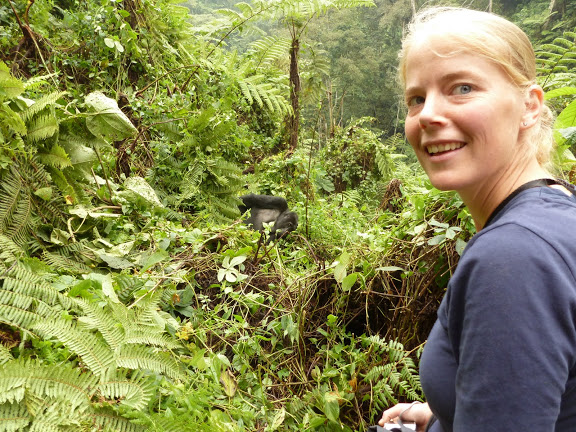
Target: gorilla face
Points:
x,y
286,222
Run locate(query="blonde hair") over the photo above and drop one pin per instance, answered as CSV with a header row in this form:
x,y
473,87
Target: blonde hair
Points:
x,y
494,38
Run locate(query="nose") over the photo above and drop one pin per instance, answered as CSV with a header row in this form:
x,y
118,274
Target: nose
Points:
x,y
432,113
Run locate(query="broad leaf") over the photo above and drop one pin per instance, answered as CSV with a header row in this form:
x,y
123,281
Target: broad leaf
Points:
x,y
106,119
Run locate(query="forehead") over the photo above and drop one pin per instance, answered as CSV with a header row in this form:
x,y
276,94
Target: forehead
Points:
x,y
437,58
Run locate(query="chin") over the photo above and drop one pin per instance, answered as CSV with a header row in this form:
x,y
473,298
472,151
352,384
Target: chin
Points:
x,y
444,184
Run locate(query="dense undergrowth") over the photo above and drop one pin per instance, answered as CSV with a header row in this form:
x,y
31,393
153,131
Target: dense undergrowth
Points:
x,y
132,298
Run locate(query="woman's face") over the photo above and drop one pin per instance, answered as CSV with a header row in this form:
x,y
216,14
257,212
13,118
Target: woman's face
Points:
x,y
464,118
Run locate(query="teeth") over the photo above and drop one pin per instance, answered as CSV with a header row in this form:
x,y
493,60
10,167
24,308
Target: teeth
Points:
x,y
443,147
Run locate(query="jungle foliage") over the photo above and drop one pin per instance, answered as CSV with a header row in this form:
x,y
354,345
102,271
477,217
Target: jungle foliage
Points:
x,y
131,296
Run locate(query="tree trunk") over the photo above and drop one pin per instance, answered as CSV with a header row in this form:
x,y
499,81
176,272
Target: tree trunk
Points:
x,y
294,119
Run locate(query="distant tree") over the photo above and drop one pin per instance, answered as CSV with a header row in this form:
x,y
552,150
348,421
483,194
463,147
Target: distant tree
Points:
x,y
296,15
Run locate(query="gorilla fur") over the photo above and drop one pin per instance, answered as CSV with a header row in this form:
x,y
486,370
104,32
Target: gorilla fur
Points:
x,y
268,208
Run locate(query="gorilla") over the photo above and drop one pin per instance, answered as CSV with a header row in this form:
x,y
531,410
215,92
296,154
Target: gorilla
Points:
x,y
268,208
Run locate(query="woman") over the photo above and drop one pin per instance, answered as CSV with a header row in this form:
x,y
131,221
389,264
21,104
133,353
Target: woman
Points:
x,y
502,354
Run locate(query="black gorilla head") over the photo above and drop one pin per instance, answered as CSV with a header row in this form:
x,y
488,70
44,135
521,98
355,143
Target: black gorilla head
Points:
x,y
286,222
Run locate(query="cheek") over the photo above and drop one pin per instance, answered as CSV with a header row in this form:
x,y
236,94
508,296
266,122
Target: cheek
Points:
x,y
412,131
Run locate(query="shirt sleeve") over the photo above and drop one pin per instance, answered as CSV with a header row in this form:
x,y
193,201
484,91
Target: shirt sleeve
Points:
x,y
511,320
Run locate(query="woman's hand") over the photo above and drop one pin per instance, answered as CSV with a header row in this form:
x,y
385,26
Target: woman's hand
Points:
x,y
411,413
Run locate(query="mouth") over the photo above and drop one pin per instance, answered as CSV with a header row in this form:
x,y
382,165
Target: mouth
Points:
x,y
443,148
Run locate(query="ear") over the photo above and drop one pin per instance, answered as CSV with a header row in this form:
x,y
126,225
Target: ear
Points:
x,y
534,103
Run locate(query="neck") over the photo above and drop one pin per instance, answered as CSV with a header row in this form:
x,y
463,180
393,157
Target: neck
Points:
x,y
483,199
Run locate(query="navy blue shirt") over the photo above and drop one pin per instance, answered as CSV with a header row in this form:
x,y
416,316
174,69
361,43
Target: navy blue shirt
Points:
x,y
502,354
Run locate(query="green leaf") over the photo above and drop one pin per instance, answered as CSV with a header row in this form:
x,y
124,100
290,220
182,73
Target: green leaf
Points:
x,y
341,265
567,118
106,119
140,187
228,382
59,237
436,240
115,261
109,42
349,281
564,91
9,86
154,259
331,406
45,193
278,420
460,245
390,269
105,282
237,260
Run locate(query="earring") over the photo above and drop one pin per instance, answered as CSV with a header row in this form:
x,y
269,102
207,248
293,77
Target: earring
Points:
x,y
524,124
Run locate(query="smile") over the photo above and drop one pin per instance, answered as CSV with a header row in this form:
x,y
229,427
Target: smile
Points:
x,y
439,148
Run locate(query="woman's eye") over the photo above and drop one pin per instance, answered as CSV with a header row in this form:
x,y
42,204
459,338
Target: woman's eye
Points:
x,y
463,89
415,100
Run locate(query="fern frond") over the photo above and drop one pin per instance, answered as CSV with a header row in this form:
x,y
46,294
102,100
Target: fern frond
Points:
x,y
42,127
269,49
13,417
11,120
5,354
134,336
54,414
101,320
264,94
191,182
127,285
20,280
10,252
108,420
16,215
9,85
65,264
139,357
40,104
134,392
57,158
61,381
94,353
13,315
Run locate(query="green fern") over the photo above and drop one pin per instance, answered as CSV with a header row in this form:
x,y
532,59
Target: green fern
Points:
x,y
16,208
13,417
20,376
39,105
59,398
140,357
42,127
216,196
65,263
268,50
134,392
257,89
106,419
557,61
9,86
397,377
5,355
56,158
24,301
95,354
